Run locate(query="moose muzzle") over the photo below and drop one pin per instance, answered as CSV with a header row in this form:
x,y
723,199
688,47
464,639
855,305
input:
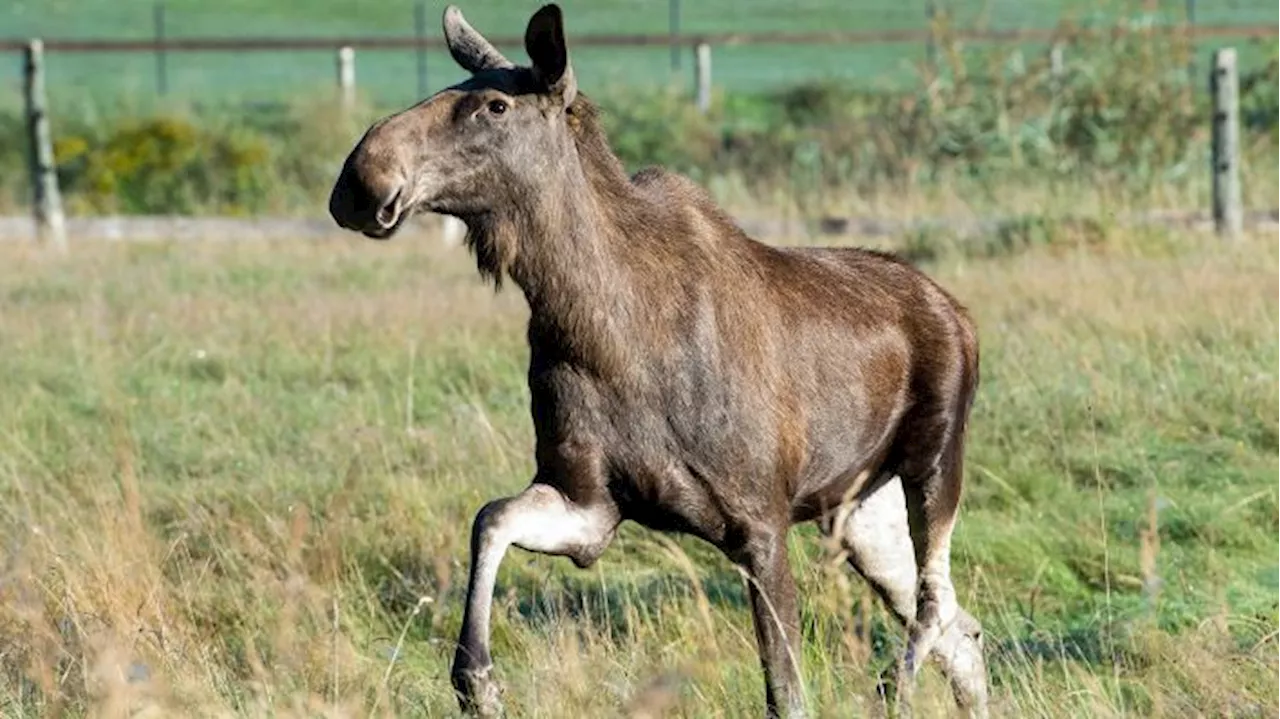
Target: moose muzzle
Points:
x,y
372,203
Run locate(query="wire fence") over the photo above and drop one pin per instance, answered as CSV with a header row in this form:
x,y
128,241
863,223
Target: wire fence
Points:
x,y
137,53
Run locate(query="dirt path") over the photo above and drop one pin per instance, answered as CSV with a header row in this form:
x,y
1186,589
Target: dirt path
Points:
x,y
205,229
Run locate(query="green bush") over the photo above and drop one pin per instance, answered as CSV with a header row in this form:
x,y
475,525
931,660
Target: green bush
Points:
x,y
196,160
659,128
1260,98
13,160
164,165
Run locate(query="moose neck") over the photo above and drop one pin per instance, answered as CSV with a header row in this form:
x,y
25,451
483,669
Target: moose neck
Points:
x,y
560,244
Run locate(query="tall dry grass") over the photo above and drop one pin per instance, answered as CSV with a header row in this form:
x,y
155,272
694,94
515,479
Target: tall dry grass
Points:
x,y
238,480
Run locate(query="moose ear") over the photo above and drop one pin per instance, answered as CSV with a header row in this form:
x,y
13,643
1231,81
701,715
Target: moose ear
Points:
x,y
544,41
468,47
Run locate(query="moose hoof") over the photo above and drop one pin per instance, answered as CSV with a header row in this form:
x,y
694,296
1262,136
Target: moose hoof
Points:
x,y
904,684
478,693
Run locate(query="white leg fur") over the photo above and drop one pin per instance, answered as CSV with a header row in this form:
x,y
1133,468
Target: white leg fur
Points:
x,y
877,537
539,519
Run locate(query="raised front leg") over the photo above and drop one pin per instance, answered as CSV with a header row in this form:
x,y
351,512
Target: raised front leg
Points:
x,y
539,519
777,622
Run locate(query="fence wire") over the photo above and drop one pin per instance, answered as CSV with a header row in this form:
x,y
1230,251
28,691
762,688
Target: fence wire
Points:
x,y
392,76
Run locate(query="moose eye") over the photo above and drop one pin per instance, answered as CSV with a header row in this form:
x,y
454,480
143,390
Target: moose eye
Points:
x,y
497,107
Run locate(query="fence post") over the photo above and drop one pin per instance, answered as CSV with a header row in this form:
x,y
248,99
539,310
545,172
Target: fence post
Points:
x,y
420,33
1191,41
1057,68
1057,61
162,68
452,230
702,69
50,223
347,77
1228,215
931,43
673,19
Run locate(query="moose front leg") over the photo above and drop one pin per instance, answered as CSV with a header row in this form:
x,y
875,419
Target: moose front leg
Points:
x,y
777,622
539,519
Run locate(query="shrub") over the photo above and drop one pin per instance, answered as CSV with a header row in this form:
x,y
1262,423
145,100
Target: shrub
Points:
x,y
163,165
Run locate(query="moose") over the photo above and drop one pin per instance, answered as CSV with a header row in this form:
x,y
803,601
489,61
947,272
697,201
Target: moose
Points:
x,y
683,375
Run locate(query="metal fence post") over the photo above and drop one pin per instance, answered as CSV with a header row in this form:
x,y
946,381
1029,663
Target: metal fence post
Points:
x,y
420,33
162,67
673,19
702,69
50,223
1191,41
1224,85
347,77
931,44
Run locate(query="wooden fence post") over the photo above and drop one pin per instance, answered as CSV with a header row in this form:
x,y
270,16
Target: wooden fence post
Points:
x,y
50,223
347,77
1057,68
452,230
1228,215
702,69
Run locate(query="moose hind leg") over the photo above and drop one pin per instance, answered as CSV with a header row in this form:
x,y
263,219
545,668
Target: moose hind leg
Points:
x,y
878,541
929,462
539,519
931,506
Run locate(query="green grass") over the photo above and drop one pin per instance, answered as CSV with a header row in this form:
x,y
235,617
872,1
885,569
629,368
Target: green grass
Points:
x,y
391,76
243,475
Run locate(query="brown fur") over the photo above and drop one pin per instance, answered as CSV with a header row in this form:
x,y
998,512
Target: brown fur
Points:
x,y
682,375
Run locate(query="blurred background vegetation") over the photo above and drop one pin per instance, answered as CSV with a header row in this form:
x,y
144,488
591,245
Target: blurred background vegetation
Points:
x,y
1130,111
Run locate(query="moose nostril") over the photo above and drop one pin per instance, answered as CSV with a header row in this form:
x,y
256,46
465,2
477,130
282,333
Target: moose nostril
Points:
x,y
390,210
350,202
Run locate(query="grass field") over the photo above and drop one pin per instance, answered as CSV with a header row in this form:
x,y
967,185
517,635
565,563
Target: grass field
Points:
x,y
237,479
391,76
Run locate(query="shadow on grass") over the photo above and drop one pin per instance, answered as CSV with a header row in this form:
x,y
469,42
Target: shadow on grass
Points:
x,y
1089,645
544,594
613,603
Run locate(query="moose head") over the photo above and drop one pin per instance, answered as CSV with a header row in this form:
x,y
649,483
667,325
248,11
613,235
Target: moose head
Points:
x,y
478,148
